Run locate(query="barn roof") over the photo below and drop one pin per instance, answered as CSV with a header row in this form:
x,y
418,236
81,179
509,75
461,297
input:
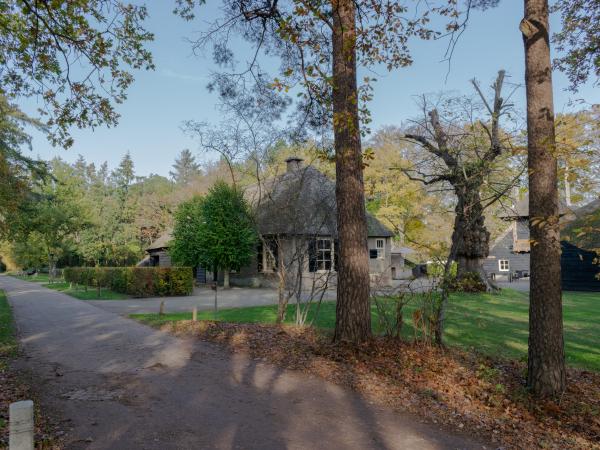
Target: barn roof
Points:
x,y
398,249
162,241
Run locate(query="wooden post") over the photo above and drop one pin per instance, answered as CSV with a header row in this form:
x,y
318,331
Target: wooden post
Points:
x,y
214,287
161,311
21,425
195,314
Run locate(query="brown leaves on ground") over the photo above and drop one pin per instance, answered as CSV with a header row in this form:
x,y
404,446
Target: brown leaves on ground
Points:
x,y
483,396
14,387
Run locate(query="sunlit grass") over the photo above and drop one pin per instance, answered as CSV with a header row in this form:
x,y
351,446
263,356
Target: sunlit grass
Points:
x,y
494,324
89,294
8,342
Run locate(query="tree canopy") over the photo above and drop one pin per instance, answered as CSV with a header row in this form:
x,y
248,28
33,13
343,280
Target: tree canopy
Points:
x,y
215,231
76,56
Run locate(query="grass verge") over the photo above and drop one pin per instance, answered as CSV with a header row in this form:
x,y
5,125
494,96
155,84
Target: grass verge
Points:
x,y
493,324
36,278
78,292
8,342
89,294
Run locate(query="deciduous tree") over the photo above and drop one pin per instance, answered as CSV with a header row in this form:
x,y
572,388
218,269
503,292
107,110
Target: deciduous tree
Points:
x,y
577,41
74,56
462,148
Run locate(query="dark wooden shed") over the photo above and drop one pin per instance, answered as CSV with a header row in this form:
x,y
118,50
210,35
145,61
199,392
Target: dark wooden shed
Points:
x,y
580,269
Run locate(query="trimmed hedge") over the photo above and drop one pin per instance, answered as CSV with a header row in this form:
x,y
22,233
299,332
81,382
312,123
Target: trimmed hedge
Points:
x,y
135,281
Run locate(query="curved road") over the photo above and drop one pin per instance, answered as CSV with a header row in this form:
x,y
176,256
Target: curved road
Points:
x,y
121,385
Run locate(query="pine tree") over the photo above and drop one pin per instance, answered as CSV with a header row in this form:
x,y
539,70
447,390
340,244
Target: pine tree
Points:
x,y
546,374
186,168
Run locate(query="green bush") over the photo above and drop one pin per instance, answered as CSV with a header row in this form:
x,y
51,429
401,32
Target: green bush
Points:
x,y
135,281
467,282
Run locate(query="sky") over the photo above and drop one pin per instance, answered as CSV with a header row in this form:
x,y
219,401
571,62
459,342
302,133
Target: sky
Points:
x,y
159,101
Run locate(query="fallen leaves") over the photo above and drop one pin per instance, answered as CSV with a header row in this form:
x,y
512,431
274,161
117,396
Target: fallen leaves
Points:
x,y
462,390
15,387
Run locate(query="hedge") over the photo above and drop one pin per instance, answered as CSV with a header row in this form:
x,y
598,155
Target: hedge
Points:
x,y
135,281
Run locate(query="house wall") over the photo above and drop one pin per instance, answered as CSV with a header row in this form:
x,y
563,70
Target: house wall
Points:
x,y
397,264
164,259
380,269
503,249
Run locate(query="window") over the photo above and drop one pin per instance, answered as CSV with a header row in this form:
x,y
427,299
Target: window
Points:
x,y
503,265
268,256
320,255
324,254
380,244
373,254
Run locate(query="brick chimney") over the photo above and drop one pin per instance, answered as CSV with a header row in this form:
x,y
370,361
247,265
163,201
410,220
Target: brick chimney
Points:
x,y
293,163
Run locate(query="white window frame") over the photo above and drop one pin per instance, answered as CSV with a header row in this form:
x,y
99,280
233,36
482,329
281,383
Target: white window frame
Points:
x,y
320,256
380,248
269,259
500,265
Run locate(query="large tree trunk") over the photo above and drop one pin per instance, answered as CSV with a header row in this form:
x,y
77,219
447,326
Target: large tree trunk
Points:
x,y
226,279
546,363
470,237
353,315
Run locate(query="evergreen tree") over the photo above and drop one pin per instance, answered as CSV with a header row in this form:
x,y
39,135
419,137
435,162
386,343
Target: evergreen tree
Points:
x,y
546,372
185,168
125,173
215,232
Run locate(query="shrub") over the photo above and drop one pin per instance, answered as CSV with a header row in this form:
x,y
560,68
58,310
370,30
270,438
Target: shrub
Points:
x,y
135,281
467,282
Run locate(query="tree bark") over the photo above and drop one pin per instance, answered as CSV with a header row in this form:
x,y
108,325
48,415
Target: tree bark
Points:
x,y
546,364
567,185
226,279
353,314
470,237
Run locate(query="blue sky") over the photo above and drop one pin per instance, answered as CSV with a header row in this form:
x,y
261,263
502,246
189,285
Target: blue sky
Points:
x,y
159,101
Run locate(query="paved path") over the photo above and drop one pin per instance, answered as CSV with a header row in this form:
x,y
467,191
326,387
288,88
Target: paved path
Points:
x,y
202,298
122,385
519,285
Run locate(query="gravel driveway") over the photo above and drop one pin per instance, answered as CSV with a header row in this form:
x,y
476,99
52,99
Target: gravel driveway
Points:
x,y
121,385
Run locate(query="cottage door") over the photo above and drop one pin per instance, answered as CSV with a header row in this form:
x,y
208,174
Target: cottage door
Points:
x,y
200,275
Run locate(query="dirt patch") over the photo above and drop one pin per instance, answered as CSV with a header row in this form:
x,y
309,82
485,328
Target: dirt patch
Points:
x,y
15,385
465,391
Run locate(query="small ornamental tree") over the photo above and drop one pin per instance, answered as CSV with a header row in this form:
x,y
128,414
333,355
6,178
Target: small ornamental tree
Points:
x,y
215,231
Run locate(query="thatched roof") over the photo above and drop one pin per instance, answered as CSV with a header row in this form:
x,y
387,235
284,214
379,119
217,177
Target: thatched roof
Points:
x,y
302,201
162,241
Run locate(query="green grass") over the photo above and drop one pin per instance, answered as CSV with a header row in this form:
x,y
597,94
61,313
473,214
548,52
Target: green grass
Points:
x,y
37,278
78,292
494,324
91,294
8,342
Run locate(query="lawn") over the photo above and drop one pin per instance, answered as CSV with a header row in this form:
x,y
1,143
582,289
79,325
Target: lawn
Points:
x,y
89,294
8,343
495,324
36,278
78,292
